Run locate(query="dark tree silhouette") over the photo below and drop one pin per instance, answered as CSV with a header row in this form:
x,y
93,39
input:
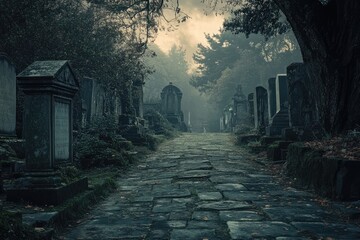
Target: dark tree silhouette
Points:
x,y
329,38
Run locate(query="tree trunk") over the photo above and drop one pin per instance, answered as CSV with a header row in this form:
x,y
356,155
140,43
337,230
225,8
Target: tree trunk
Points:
x,y
329,39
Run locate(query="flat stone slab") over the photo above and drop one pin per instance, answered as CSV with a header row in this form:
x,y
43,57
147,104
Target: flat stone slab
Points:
x,y
210,196
171,193
38,219
194,174
230,187
192,234
250,230
294,213
169,207
240,216
329,230
205,216
229,179
244,195
225,205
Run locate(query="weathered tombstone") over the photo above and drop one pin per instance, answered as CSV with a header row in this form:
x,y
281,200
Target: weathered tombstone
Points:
x,y
302,107
280,120
49,88
7,97
272,97
261,108
240,104
171,106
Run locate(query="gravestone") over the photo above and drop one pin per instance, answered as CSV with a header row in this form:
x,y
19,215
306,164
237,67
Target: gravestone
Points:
x,y
171,106
49,88
302,107
280,120
261,108
7,97
272,97
240,103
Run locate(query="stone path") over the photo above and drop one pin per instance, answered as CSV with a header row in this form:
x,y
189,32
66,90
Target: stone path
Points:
x,y
200,186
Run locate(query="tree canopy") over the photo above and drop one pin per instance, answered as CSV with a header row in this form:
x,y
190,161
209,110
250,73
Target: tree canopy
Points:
x,y
228,60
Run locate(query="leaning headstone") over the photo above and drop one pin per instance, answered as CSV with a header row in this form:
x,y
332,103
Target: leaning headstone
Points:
x,y
49,88
280,120
261,108
272,97
7,97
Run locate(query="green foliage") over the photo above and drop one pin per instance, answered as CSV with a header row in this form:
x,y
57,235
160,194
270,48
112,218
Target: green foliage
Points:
x,y
100,146
161,124
12,228
230,60
69,174
258,16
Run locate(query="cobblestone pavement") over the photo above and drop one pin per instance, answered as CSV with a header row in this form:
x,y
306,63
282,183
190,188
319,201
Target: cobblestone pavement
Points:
x,y
200,186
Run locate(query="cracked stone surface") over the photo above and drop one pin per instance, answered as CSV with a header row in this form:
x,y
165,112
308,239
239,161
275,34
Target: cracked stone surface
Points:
x,y
201,186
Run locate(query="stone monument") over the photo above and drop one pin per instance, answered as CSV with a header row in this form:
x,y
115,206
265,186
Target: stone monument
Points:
x,y
49,88
240,103
171,106
302,107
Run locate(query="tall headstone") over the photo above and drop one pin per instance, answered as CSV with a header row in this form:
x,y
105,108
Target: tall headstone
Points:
x,y
171,106
302,107
272,97
49,88
240,104
7,97
261,108
280,120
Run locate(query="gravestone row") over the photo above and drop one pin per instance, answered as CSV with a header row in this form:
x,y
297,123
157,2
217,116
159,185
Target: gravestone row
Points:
x,y
286,105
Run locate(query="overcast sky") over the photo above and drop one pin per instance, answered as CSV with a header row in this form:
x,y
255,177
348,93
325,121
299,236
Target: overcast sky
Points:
x,y
191,32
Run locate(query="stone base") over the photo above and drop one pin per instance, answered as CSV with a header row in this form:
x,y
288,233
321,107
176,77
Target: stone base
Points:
x,y
268,140
279,122
47,195
334,178
290,134
246,138
277,151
